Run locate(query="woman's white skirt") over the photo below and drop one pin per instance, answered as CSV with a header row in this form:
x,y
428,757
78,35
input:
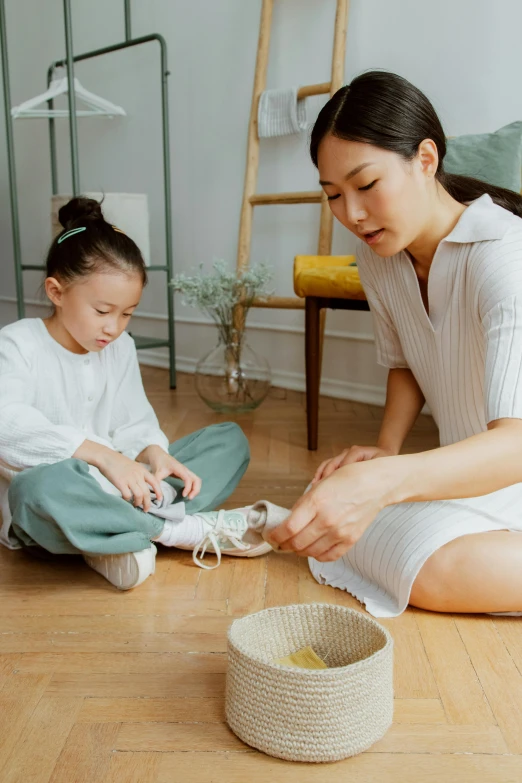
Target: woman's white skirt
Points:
x,y
381,568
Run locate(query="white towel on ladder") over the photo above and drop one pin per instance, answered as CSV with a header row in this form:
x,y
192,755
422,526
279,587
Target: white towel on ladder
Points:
x,y
280,113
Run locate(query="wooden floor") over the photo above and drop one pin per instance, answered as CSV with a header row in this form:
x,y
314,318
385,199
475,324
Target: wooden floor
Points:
x,y
98,686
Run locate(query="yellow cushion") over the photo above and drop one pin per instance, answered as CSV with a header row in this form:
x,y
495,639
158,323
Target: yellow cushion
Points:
x,y
327,276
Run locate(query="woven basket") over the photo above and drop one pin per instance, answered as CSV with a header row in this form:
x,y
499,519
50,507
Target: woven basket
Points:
x,y
303,714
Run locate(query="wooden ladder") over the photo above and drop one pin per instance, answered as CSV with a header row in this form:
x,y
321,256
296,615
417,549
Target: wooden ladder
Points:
x,y
250,198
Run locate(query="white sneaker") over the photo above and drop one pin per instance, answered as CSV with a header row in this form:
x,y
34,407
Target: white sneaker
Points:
x,y
124,571
225,531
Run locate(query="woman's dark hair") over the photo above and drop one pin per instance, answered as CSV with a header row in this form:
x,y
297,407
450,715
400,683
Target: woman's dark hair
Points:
x,y
96,246
385,110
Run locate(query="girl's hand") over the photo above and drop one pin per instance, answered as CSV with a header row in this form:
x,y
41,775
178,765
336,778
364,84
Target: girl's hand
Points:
x,y
348,457
163,465
132,479
332,516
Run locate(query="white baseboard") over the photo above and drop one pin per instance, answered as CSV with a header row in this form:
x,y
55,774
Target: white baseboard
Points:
x,y
364,337
331,387
344,390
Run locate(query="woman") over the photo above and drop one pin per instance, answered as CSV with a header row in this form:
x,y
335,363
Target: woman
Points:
x,y
440,259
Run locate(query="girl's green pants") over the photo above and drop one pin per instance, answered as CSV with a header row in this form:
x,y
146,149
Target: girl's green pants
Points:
x,y
63,509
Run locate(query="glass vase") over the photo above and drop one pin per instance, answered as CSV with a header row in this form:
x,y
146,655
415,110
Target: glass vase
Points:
x,y
232,378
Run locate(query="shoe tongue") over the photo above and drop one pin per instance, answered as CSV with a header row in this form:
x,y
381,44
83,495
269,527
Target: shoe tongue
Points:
x,y
231,522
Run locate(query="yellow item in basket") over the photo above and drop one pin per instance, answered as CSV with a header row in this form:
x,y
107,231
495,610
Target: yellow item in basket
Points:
x,y
306,658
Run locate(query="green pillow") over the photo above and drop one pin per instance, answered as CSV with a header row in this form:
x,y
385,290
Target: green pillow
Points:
x,y
495,158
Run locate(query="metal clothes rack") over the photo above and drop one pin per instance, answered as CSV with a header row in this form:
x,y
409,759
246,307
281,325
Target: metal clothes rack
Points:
x,y
69,61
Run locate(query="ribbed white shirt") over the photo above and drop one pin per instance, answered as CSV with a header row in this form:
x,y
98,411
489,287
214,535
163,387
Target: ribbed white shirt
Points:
x,y
467,355
51,400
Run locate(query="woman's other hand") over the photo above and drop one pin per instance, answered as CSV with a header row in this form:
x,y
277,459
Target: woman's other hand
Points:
x,y
348,457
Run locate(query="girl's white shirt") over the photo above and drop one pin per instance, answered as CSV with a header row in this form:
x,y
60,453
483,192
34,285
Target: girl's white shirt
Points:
x,y
51,400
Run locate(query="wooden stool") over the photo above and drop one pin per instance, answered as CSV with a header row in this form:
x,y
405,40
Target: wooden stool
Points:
x,y
324,282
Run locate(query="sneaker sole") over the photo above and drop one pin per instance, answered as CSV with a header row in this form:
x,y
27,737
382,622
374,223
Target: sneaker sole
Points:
x,y
127,570
256,551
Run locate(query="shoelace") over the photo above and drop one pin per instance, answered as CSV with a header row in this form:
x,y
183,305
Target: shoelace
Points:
x,y
221,530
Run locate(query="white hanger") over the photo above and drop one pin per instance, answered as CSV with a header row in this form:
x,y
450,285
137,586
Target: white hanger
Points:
x,y
96,106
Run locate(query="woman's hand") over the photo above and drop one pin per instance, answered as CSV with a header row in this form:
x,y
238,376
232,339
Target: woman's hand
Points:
x,y
332,516
132,479
348,457
163,465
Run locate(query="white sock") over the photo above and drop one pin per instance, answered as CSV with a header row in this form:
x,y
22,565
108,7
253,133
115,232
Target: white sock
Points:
x,y
185,534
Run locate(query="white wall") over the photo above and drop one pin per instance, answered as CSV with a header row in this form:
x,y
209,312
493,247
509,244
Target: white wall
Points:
x,y
464,54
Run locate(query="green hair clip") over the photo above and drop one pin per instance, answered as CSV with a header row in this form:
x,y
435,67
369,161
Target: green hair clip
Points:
x,y
71,232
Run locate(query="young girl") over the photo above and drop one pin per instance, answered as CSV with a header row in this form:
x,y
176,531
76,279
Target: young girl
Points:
x,y
84,466
440,259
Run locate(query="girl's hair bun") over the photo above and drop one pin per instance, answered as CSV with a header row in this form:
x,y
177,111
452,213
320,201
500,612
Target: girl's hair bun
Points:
x,y
88,244
79,210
